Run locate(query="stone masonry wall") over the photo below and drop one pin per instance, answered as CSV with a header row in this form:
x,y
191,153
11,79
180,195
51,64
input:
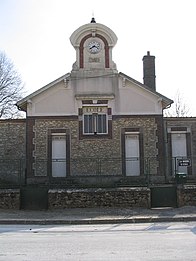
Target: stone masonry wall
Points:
x,y
12,150
9,199
81,198
41,130
110,197
148,126
12,139
186,195
81,151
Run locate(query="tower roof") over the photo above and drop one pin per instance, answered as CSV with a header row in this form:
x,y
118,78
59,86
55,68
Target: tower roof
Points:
x,y
93,20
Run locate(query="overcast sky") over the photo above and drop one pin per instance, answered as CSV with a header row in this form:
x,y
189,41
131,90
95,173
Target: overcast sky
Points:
x,y
35,35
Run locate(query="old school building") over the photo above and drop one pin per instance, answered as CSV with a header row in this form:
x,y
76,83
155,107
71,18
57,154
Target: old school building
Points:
x,y
96,125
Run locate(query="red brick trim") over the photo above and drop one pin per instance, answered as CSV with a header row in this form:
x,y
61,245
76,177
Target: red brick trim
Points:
x,y
81,50
136,116
160,145
107,62
87,102
188,146
30,147
109,111
102,102
80,112
12,121
178,128
71,117
170,160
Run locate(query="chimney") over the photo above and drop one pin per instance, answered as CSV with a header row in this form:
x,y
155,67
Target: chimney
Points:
x,y
149,71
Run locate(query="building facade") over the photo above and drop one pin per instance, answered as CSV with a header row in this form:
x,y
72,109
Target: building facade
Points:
x,y
95,125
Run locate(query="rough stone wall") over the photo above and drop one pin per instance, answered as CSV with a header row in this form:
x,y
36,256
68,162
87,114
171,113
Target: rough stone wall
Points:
x,y
12,150
85,153
96,147
9,199
41,132
148,128
118,197
146,124
41,129
186,195
12,139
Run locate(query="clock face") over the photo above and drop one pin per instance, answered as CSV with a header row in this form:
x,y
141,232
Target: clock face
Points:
x,y
94,47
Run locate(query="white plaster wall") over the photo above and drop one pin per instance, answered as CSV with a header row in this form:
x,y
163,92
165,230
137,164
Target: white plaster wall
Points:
x,y
135,100
57,100
126,98
100,85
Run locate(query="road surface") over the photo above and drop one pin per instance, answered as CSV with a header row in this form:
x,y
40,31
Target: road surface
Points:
x,y
158,241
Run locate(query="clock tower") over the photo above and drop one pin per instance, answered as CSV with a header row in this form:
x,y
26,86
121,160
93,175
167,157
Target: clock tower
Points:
x,y
93,43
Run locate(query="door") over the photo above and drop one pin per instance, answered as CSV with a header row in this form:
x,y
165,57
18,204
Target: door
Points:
x,y
179,151
59,155
34,197
165,196
132,155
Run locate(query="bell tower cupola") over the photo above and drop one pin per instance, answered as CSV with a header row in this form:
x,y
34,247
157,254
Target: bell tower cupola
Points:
x,y
93,43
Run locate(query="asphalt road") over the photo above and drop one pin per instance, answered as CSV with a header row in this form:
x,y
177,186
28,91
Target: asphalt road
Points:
x,y
147,241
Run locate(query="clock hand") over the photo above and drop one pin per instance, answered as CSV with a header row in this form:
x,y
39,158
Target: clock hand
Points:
x,y
93,46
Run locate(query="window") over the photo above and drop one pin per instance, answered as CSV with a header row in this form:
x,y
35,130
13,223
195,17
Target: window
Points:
x,y
95,124
95,120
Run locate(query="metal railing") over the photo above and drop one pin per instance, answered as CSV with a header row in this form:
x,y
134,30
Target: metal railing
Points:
x,y
12,171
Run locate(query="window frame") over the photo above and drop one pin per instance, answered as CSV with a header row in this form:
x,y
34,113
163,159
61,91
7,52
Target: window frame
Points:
x,y
95,124
107,112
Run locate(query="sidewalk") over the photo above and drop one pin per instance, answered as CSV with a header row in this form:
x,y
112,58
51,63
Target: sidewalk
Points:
x,y
98,215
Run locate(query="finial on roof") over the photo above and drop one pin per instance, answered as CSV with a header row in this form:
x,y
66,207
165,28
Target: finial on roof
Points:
x,y
93,20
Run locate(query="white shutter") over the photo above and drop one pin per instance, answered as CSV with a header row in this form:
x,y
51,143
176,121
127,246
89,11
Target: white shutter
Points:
x,y
59,155
132,155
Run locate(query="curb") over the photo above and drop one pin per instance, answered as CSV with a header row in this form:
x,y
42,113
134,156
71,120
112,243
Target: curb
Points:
x,y
95,221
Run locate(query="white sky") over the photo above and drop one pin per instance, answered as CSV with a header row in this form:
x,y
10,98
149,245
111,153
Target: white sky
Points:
x,y
35,35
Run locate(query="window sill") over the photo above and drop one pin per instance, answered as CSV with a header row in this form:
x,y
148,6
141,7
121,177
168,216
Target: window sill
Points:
x,y
95,136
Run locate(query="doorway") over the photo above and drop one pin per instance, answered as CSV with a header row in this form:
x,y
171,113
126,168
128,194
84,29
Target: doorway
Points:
x,y
132,154
179,151
59,155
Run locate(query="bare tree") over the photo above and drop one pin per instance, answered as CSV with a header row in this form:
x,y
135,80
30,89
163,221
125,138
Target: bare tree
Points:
x,y
11,88
179,108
